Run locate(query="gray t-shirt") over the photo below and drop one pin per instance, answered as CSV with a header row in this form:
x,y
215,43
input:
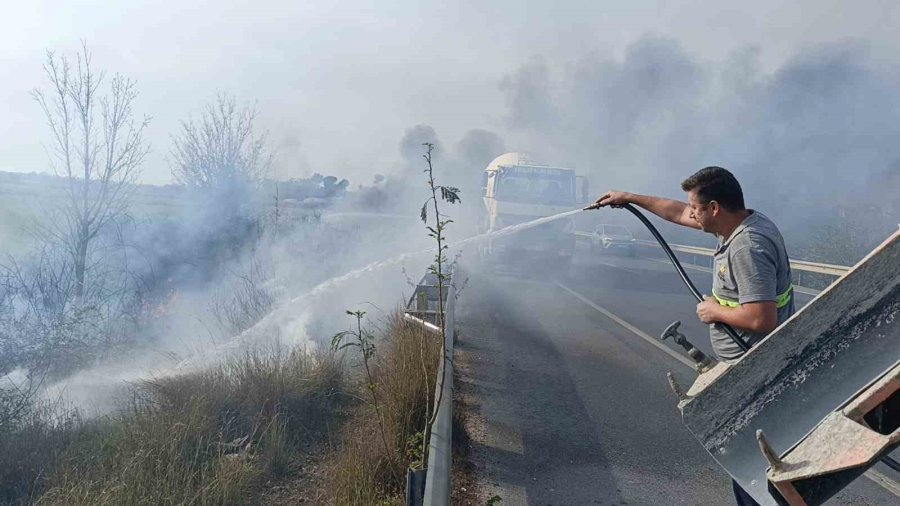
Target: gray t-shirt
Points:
x,y
751,266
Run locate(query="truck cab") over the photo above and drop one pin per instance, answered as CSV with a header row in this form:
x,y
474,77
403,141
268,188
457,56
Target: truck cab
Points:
x,y
516,190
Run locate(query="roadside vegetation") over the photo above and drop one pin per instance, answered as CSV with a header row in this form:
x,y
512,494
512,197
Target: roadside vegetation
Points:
x,y
403,405
362,469
211,437
274,425
230,434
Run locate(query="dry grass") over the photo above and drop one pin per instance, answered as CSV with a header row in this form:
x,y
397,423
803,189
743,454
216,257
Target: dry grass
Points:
x,y
230,434
205,438
360,470
33,446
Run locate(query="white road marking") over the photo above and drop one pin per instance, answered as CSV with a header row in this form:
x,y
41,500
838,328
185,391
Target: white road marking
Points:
x,y
874,475
886,482
618,267
655,342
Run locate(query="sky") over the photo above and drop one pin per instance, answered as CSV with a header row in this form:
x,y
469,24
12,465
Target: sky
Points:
x,y
338,83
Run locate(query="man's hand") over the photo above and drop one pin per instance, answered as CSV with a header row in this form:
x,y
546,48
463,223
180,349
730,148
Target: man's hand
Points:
x,y
667,209
708,310
614,199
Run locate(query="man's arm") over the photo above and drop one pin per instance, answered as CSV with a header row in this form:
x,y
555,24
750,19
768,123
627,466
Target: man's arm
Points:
x,y
759,317
754,271
671,210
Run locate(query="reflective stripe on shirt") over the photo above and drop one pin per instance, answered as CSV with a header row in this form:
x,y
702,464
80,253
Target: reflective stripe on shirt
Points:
x,y
781,301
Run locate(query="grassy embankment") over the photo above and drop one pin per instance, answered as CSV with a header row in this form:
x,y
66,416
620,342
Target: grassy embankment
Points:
x,y
270,427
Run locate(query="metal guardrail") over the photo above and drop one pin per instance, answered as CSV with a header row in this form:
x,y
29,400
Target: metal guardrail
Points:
x,y
422,309
830,269
799,265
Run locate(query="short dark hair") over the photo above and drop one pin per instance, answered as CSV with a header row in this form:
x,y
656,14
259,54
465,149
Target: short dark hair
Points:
x,y
716,183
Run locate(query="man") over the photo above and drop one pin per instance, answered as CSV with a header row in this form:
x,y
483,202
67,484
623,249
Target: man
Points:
x,y
752,288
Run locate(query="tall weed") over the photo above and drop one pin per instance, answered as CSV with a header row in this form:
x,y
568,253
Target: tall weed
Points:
x,y
360,470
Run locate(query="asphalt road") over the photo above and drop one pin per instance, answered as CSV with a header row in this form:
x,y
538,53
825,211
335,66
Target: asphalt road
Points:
x,y
566,406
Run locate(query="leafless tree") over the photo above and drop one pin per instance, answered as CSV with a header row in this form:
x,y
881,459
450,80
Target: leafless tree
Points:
x,y
42,325
220,151
244,301
16,400
97,146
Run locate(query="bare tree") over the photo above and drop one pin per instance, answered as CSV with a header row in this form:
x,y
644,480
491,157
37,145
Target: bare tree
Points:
x,y
97,146
220,151
16,400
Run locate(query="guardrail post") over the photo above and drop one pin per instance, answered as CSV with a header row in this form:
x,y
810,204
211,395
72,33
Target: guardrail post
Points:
x,y
422,301
415,486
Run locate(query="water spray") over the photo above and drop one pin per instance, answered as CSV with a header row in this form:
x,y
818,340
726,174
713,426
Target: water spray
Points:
x,y
288,310
681,272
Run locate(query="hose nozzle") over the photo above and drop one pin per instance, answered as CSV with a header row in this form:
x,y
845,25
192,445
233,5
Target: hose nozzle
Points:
x,y
704,363
592,207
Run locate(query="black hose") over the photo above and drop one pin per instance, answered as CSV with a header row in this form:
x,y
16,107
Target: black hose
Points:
x,y
684,277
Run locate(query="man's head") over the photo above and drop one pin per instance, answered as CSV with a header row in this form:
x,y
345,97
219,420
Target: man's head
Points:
x,y
715,197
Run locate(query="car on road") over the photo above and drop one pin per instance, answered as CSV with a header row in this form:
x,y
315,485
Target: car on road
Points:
x,y
614,239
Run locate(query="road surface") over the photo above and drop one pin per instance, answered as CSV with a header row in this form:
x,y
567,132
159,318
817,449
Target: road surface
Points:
x,y
568,404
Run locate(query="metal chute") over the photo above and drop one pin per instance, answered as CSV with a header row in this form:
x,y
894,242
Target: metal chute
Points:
x,y
817,402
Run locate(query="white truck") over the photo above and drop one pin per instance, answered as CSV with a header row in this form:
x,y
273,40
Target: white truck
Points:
x,y
516,189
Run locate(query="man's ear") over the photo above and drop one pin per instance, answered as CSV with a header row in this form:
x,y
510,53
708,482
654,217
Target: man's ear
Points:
x,y
714,208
